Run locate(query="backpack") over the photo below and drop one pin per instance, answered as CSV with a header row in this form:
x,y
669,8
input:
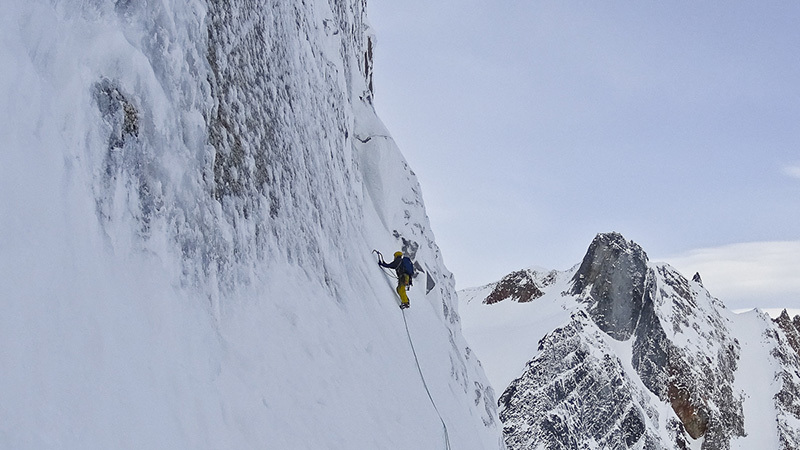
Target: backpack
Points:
x,y
407,267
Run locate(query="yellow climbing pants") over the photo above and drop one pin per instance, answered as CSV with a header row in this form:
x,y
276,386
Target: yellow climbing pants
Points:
x,y
402,282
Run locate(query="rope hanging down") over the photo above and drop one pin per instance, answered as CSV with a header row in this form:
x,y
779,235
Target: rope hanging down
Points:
x,y
419,369
430,397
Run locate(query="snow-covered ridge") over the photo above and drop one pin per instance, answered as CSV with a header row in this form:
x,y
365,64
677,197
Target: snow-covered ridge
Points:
x,y
190,194
631,354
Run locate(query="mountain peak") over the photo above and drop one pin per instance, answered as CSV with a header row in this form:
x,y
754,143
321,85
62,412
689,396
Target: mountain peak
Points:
x,y
611,280
621,326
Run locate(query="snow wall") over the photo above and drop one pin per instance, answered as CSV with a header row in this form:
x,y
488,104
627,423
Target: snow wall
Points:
x,y
190,193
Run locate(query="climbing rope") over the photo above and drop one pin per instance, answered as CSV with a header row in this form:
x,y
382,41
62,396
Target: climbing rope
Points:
x,y
416,359
444,426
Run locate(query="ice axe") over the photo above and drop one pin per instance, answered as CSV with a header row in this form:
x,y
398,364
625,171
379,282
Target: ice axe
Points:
x,y
380,256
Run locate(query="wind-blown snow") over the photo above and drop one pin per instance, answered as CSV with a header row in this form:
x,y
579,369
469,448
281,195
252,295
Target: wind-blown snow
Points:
x,y
189,196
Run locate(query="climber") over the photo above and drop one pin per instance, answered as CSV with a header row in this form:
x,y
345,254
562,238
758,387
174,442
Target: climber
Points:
x,y
404,269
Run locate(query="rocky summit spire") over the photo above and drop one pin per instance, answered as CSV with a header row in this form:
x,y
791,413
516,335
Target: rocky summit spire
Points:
x,y
611,281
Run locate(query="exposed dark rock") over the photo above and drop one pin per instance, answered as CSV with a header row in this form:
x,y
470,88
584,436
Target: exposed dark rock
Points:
x,y
790,327
692,414
519,286
128,159
696,278
695,377
787,400
575,392
611,281
651,348
118,112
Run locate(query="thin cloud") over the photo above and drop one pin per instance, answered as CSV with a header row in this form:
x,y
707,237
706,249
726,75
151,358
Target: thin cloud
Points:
x,y
748,275
792,171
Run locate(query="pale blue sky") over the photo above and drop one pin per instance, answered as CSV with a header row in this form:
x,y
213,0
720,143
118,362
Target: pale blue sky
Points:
x,y
534,125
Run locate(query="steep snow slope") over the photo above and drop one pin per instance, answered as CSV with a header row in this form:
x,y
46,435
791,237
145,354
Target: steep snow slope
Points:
x,y
630,354
189,196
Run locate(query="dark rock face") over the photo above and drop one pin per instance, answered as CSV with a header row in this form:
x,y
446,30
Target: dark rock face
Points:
x,y
574,392
702,361
611,281
792,329
652,350
787,400
519,286
128,160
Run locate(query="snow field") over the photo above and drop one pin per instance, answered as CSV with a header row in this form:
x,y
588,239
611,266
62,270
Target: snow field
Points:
x,y
755,378
505,335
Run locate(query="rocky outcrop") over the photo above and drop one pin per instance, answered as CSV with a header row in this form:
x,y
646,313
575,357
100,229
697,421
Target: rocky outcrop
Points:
x,y
521,286
576,391
791,327
611,281
702,360
787,400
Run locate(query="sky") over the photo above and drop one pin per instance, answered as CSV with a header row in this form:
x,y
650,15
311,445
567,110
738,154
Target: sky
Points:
x,y
532,126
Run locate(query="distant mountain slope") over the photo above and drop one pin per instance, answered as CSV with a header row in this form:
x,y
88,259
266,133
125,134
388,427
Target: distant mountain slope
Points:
x,y
621,352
